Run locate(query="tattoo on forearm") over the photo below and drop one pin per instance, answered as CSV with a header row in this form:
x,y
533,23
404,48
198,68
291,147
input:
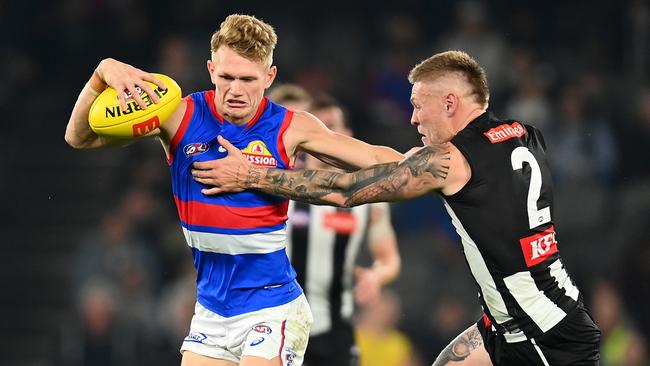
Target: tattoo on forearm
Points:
x,y
460,348
253,177
377,183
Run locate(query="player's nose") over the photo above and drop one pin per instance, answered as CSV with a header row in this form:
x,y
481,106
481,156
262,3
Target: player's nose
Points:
x,y
236,88
414,120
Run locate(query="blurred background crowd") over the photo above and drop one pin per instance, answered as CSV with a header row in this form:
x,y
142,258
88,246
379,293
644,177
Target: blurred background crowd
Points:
x,y
94,269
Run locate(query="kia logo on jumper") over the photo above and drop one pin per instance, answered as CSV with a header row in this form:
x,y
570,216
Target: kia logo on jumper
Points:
x,y
195,148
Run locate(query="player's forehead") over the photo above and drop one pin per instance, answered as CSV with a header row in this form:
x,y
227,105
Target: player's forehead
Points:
x,y
421,90
228,61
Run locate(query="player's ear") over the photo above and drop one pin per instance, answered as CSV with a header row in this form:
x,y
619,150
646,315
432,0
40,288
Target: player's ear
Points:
x,y
211,68
451,103
270,76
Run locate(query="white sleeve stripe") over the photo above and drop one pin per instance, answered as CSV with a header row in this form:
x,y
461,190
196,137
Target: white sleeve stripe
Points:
x,y
560,274
544,312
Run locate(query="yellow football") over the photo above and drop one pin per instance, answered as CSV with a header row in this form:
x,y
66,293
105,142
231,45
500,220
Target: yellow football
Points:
x,y
106,117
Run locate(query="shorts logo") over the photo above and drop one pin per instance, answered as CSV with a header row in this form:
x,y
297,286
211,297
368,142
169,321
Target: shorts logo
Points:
x,y
262,328
195,148
196,337
538,247
290,354
258,154
257,341
505,132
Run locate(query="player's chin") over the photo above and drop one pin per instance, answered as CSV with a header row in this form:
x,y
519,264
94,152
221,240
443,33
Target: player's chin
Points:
x,y
237,112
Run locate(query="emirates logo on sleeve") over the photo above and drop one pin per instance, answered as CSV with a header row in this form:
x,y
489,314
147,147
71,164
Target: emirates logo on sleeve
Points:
x,y
505,132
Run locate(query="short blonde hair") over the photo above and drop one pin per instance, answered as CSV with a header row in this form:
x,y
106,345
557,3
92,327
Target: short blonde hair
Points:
x,y
448,62
248,36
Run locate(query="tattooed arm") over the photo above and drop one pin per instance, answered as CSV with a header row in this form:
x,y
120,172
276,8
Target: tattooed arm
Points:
x,y
428,169
467,347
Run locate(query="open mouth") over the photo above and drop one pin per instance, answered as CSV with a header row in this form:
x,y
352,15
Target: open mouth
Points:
x,y
235,103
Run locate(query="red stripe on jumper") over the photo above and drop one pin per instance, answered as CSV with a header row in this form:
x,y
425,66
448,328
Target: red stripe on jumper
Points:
x,y
288,117
180,132
228,217
209,98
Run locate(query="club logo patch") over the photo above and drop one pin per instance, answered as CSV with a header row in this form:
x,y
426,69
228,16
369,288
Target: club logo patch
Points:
x,y
258,154
195,148
262,328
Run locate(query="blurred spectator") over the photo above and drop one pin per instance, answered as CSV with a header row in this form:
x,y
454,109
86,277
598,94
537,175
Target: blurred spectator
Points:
x,y
634,265
473,34
621,345
292,96
379,340
115,254
529,81
99,337
175,310
180,60
390,90
582,148
635,139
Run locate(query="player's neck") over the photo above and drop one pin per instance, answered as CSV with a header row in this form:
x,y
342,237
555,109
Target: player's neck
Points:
x,y
468,118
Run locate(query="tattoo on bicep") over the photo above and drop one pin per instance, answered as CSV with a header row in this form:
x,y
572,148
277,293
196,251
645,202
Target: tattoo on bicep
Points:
x,y
388,181
460,348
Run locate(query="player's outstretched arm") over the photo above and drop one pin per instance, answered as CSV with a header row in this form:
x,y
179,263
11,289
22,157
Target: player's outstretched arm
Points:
x,y
425,171
308,134
120,76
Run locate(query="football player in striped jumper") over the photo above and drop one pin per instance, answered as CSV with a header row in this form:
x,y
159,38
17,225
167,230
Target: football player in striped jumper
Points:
x,y
494,179
250,309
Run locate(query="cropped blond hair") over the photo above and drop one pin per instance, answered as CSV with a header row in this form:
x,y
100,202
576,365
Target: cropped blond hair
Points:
x,y
449,62
248,36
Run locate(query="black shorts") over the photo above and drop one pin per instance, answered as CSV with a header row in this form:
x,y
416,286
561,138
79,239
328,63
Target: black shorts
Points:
x,y
334,348
573,341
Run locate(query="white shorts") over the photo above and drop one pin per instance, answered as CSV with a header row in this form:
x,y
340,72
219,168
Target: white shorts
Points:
x,y
277,331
